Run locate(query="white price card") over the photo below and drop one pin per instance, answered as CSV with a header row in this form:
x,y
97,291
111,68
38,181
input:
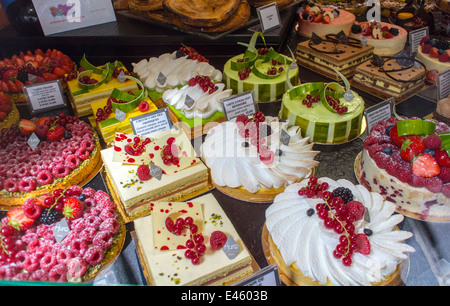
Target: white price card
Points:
x,y
267,276
443,84
151,122
378,112
269,17
415,37
45,96
243,103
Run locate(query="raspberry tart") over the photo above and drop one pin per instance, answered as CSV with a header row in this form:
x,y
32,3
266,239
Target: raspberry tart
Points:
x,y
67,154
182,244
33,248
326,232
254,157
407,162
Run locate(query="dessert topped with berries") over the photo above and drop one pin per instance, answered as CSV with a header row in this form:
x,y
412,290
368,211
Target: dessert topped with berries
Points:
x,y
327,232
407,161
66,152
191,243
9,114
324,20
434,53
64,236
387,39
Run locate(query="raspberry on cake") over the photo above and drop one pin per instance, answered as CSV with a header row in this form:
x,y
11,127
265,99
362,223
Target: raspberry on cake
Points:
x,y
319,235
407,162
68,152
434,54
33,251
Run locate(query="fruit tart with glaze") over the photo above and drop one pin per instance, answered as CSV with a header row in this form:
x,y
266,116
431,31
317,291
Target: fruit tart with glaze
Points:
x,y
67,154
31,249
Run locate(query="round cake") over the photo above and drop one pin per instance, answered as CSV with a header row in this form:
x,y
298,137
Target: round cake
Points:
x,y
9,114
69,235
262,71
406,161
67,154
387,39
442,112
434,54
323,118
326,232
323,21
257,155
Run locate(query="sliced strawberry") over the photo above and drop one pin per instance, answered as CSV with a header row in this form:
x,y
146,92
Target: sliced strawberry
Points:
x,y
318,18
326,19
18,220
19,85
59,72
9,74
411,147
26,127
49,76
12,86
425,166
4,87
362,244
434,52
387,35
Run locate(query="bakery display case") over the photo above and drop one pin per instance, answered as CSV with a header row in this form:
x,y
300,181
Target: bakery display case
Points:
x,y
329,155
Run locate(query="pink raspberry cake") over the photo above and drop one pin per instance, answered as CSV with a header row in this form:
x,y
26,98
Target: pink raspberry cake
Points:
x,y
67,154
411,170
31,251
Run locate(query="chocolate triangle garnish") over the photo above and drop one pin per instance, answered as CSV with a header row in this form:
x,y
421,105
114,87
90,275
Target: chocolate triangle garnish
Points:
x,y
377,60
342,38
316,39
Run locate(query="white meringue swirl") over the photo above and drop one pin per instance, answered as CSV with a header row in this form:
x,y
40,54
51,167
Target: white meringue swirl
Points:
x,y
303,240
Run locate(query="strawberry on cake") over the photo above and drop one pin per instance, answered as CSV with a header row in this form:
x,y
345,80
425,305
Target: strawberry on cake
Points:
x,y
407,162
67,153
33,249
434,54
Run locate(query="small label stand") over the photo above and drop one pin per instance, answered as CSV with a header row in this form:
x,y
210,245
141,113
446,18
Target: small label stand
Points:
x,y
43,97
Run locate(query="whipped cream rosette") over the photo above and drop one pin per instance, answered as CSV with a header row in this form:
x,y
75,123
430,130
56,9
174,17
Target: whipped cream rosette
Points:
x,y
327,232
255,154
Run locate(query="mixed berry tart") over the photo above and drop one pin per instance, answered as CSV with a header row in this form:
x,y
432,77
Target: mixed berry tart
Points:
x,y
407,161
67,152
68,235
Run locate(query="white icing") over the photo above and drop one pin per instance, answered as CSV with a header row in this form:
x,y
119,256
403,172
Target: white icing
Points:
x,y
234,165
178,71
305,241
205,104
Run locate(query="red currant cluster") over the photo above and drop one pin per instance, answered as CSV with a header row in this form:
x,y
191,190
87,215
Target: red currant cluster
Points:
x,y
204,82
250,128
309,100
88,80
335,104
245,73
103,113
180,225
117,71
138,146
273,70
196,248
169,153
313,188
263,51
193,54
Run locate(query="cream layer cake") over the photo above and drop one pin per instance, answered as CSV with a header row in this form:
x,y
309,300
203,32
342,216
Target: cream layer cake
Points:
x,y
407,162
387,39
108,127
342,235
257,153
323,119
197,106
324,20
405,80
164,252
329,53
84,92
262,71
182,177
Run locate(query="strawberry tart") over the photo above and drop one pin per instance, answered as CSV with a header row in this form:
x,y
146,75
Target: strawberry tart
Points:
x,y
9,114
324,20
387,39
68,152
68,235
334,233
32,67
434,54
407,162
254,158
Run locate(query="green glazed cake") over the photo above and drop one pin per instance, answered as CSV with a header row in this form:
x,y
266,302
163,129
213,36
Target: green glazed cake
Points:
x,y
310,106
262,71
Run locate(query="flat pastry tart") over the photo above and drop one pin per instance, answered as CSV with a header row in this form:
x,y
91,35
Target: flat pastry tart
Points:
x,y
51,153
254,158
70,235
202,13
